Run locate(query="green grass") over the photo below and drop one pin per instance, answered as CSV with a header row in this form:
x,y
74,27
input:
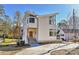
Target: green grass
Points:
x,y
9,41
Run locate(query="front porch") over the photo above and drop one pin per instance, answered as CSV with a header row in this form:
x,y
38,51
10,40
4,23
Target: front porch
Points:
x,y
32,35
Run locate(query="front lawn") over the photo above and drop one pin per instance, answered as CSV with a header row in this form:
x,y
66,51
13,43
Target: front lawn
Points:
x,y
9,41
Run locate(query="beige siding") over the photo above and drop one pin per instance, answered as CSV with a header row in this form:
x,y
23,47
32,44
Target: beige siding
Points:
x,y
43,29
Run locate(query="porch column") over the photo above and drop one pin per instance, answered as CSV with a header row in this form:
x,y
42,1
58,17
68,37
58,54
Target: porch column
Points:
x,y
24,37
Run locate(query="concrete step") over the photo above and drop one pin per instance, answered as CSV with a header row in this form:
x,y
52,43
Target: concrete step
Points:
x,y
32,41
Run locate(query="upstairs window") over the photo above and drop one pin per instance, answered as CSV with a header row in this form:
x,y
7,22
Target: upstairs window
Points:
x,y
52,20
31,20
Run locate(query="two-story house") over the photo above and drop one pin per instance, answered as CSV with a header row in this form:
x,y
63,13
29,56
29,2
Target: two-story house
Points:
x,y
39,28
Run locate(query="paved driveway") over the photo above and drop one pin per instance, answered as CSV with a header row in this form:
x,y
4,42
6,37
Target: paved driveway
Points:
x,y
68,47
40,50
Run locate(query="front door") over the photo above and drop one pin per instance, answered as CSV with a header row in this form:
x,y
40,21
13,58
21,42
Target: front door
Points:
x,y
32,35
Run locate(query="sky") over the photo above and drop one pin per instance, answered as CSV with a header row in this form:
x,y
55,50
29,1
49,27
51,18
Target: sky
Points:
x,y
63,10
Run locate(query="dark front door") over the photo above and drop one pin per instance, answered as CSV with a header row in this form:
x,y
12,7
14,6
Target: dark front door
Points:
x,y
30,34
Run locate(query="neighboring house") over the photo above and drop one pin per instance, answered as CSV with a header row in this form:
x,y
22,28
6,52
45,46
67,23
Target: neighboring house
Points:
x,y
68,34
70,29
39,28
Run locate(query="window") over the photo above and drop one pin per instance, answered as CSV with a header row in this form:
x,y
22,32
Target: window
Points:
x,y
50,32
32,20
62,34
52,20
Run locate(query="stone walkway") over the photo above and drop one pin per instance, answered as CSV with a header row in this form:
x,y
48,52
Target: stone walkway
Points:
x,y
41,50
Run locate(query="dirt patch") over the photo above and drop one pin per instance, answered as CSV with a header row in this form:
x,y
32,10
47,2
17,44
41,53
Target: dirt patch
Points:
x,y
66,52
62,52
59,52
74,52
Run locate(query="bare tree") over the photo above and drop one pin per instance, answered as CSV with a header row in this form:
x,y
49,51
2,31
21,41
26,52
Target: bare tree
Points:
x,y
17,28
